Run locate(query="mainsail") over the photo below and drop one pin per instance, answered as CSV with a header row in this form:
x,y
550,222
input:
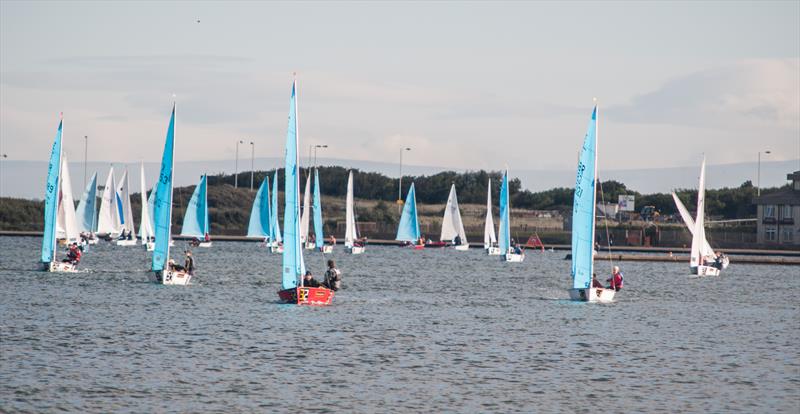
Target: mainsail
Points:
x,y
505,216
260,215
318,235
108,222
489,238
146,225
127,210
195,221
452,225
162,206
293,265
699,242
51,199
689,221
351,232
583,206
87,211
408,229
66,221
305,217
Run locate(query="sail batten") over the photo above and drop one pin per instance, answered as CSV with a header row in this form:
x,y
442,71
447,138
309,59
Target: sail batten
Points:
x,y
583,206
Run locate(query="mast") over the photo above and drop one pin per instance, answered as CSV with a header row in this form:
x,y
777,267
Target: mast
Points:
x,y
594,178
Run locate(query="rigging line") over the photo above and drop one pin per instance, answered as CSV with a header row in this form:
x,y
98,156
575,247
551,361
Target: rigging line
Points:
x,y
605,221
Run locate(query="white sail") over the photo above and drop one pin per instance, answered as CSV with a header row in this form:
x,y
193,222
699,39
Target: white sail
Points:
x,y
452,225
699,236
351,232
489,238
306,215
146,226
108,221
66,222
689,221
127,210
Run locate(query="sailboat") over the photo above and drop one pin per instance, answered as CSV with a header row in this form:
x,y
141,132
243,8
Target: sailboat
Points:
x,y
702,255
51,201
86,212
305,217
452,226
127,211
162,216
318,234
195,221
351,242
489,239
66,223
583,222
276,244
259,226
108,221
146,225
408,229
294,267
509,252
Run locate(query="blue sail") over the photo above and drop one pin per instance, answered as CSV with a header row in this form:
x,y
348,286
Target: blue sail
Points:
x,y
293,265
51,199
317,212
87,207
162,206
119,208
195,221
274,222
583,206
260,214
504,237
408,230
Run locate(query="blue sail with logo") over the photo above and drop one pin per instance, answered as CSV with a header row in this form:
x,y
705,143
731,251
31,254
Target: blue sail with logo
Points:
x,y
504,236
408,230
259,225
274,222
51,199
293,265
87,207
162,205
195,221
583,206
318,212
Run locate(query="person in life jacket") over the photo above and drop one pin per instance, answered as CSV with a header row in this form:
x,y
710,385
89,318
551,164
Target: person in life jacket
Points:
x,y
333,277
616,280
73,255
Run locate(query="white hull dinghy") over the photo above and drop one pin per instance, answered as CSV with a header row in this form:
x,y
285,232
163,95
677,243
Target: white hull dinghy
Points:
x,y
327,249
172,277
204,244
462,247
701,254
131,242
356,249
705,271
592,295
62,267
493,251
514,258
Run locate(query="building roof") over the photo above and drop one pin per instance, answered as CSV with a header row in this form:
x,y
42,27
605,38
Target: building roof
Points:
x,y
795,176
791,197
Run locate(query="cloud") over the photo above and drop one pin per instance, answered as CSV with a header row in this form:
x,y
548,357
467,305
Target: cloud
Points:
x,y
750,93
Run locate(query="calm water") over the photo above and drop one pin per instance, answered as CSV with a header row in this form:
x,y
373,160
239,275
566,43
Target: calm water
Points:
x,y
430,331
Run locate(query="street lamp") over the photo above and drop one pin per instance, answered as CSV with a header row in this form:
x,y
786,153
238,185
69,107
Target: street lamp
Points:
x,y
1,175
315,153
252,161
758,178
85,155
400,185
236,166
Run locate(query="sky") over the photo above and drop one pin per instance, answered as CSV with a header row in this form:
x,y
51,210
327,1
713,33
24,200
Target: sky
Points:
x,y
466,85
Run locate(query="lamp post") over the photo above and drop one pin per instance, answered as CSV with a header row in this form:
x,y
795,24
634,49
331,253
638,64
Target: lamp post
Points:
x,y
315,152
758,177
400,185
252,161
236,166
85,156
2,156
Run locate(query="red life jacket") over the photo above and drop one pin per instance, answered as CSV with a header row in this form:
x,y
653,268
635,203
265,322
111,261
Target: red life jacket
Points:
x,y
617,281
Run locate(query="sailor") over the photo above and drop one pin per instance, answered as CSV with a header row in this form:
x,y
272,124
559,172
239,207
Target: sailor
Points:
x,y
188,265
73,254
207,238
457,240
596,283
309,281
122,235
333,277
517,249
616,280
130,236
332,240
717,260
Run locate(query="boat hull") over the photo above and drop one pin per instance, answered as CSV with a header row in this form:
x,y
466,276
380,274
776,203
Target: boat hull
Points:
x,y
311,245
419,247
356,249
149,246
439,244
705,271
61,267
306,296
462,247
131,242
171,277
592,295
276,249
493,251
514,258
327,248
204,244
